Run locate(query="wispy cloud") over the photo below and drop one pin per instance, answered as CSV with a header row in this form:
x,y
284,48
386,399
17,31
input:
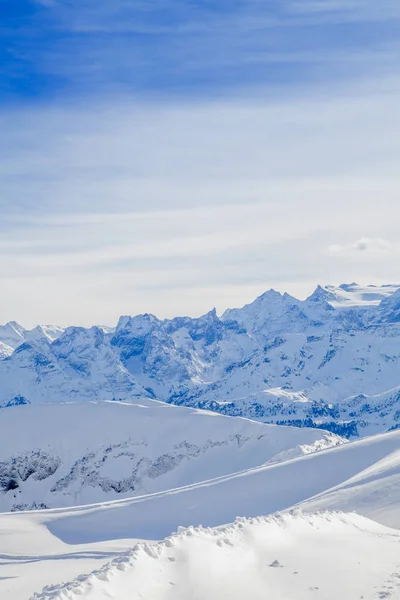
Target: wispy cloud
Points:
x,y
208,203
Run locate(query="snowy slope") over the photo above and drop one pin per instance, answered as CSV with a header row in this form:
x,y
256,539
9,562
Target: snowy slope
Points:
x,y
5,350
253,492
54,455
326,556
343,556
11,334
332,360
32,558
353,294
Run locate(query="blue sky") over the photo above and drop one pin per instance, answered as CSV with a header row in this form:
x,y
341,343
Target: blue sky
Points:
x,y
172,156
53,48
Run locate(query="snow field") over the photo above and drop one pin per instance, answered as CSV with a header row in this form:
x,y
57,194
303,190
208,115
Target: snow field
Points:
x,y
298,556
48,547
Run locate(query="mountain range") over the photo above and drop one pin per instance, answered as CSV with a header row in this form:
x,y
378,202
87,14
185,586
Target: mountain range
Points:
x,y
329,361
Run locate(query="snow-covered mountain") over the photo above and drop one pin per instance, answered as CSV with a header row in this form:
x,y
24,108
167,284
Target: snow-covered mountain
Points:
x,y
329,361
13,335
332,359
65,454
79,365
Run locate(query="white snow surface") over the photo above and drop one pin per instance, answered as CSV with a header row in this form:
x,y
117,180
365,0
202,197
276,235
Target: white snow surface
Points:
x,y
5,350
343,556
293,556
362,476
64,454
352,294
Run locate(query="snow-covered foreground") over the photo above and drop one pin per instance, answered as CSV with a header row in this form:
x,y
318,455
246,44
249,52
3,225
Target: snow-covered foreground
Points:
x,y
31,558
327,556
345,557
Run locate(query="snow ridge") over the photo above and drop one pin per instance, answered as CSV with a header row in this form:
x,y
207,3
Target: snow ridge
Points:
x,y
127,571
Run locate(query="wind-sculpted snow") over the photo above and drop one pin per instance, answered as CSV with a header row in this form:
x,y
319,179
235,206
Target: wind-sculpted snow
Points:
x,y
302,556
332,360
69,454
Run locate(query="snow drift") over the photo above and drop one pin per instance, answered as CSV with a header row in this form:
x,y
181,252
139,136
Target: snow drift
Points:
x,y
327,556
